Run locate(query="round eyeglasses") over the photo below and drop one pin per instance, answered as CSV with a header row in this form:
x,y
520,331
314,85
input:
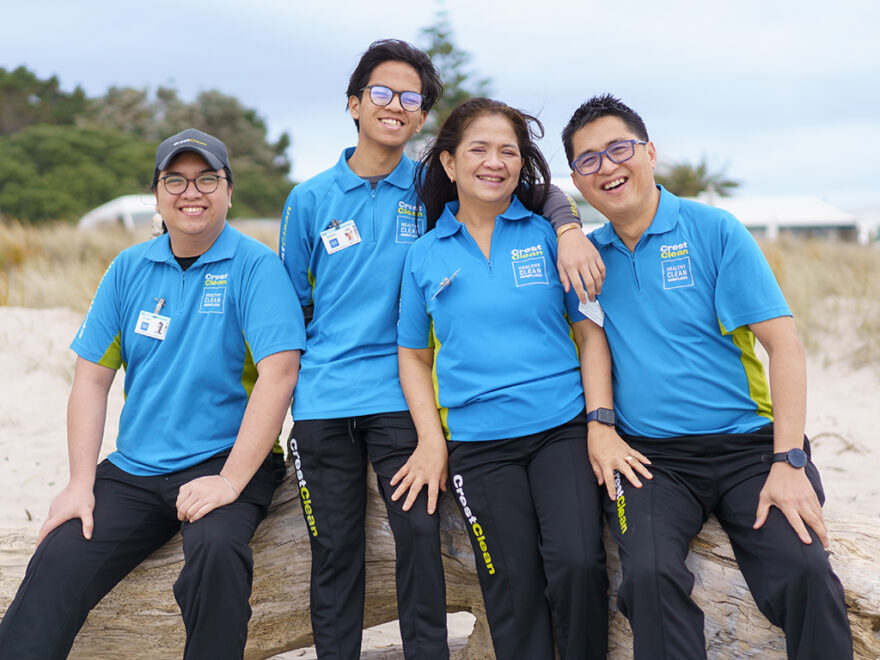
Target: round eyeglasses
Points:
x,y
176,184
382,96
619,152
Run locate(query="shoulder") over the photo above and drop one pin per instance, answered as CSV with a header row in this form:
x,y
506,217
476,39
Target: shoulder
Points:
x,y
423,247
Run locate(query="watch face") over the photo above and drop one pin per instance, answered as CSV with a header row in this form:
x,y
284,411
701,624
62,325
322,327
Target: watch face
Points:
x,y
797,458
606,416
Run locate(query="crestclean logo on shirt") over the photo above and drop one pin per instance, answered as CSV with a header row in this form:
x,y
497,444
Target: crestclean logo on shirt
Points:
x,y
669,251
527,253
214,294
409,225
675,264
528,265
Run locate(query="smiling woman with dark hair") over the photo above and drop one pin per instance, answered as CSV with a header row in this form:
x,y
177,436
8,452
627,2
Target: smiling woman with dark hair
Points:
x,y
484,336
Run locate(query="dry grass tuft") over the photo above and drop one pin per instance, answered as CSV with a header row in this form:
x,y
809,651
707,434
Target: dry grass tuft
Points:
x,y
833,289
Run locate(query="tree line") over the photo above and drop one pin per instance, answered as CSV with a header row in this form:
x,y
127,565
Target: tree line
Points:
x,y
63,153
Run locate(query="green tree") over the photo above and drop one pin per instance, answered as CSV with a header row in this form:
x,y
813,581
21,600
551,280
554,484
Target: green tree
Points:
x,y
686,180
459,83
26,100
260,167
60,172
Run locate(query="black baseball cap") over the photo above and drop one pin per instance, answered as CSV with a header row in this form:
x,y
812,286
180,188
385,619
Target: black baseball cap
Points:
x,y
192,139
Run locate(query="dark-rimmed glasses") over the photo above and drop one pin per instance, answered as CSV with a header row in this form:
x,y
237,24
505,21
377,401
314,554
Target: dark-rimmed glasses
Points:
x,y
619,152
176,184
382,96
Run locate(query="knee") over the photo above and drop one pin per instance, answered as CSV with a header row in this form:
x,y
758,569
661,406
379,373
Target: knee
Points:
x,y
216,545
646,569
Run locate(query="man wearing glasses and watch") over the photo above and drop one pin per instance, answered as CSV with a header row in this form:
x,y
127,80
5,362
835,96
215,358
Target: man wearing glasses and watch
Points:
x,y
702,430
198,318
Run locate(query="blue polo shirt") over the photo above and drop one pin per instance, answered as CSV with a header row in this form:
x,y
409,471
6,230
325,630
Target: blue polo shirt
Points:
x,y
504,361
186,394
350,363
676,311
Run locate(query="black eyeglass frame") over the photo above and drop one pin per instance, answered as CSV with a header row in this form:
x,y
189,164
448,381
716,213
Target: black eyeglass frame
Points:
x,y
194,181
399,94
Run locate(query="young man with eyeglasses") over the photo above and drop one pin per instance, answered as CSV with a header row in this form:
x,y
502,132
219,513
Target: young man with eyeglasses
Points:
x,y
199,319
701,429
344,237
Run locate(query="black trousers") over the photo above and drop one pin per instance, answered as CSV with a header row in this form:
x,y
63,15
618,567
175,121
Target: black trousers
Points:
x,y
531,505
792,583
333,493
134,516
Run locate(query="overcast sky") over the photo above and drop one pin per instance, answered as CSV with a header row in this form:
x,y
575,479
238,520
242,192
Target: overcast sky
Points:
x,y
783,94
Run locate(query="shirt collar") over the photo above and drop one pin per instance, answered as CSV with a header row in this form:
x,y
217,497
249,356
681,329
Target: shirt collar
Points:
x,y
447,225
665,219
400,177
223,248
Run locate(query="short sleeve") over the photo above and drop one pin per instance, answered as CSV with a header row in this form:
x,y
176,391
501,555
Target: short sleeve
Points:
x,y
98,338
272,319
295,244
746,290
414,322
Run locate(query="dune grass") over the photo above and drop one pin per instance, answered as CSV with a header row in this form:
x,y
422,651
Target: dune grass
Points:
x,y
832,287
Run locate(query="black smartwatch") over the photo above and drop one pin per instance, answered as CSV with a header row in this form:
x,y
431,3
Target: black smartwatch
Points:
x,y
603,416
796,458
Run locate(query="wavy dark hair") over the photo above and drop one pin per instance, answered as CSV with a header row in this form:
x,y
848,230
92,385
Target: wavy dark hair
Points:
x,y
433,185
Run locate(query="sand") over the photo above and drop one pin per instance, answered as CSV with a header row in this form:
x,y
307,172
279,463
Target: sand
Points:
x,y
37,368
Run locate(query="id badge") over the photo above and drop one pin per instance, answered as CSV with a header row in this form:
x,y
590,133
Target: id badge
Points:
x,y
152,325
341,237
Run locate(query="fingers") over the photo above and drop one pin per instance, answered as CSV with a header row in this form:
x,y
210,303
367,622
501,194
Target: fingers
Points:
x,y
578,286
400,474
563,277
88,523
762,513
597,272
608,478
591,284
433,491
798,525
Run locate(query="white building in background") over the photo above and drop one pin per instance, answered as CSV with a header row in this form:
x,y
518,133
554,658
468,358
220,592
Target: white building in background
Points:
x,y
768,217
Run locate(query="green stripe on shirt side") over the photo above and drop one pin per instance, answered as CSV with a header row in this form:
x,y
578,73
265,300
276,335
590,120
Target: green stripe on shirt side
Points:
x,y
112,358
759,387
444,412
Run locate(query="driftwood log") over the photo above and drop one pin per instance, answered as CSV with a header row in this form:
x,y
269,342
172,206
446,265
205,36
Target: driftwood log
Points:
x,y
140,619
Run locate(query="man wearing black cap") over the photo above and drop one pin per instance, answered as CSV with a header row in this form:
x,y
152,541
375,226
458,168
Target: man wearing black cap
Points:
x,y
204,321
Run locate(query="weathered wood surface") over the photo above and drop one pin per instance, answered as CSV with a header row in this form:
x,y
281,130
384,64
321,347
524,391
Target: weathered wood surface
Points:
x,y
140,619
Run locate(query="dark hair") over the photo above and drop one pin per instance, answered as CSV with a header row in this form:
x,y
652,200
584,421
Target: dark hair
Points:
x,y
395,50
596,108
433,185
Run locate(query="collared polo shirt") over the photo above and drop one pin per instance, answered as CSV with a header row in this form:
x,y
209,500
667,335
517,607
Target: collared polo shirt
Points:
x,y
350,363
676,314
504,361
186,394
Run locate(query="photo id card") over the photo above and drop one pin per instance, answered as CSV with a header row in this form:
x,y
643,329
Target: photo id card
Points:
x,y
341,237
152,325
